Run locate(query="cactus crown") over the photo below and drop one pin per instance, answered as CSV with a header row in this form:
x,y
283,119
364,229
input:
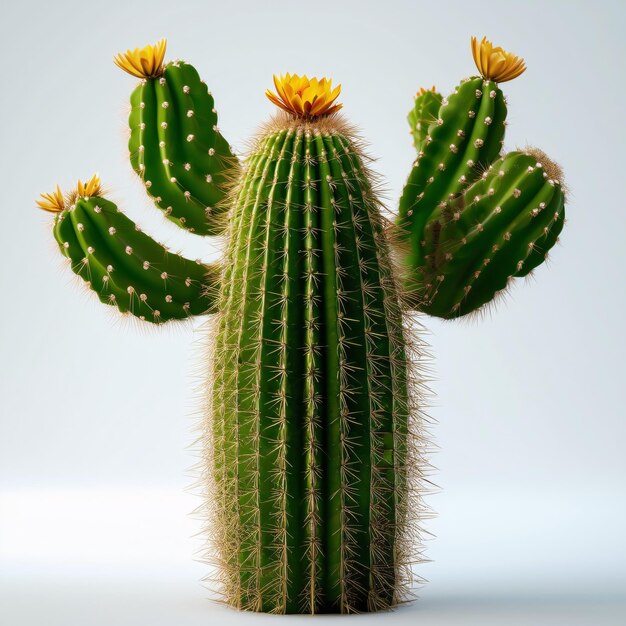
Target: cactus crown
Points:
x,y
496,63
304,97
146,62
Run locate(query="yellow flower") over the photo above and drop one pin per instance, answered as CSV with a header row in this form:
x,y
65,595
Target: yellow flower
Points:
x,y
143,62
52,202
304,97
89,188
495,63
422,91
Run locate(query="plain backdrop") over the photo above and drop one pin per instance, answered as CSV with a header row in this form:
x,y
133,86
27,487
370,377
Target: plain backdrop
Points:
x,y
96,415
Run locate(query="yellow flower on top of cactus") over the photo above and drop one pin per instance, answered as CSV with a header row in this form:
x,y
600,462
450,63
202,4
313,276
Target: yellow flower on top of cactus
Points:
x,y
421,91
89,188
53,202
305,97
495,63
144,62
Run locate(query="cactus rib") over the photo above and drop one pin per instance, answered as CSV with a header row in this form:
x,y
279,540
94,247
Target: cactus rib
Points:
x,y
425,112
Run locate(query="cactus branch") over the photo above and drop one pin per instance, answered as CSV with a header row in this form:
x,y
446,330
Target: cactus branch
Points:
x,y
425,112
175,145
123,266
463,206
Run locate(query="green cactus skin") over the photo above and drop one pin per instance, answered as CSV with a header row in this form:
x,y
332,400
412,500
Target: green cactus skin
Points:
x,y
177,149
460,147
310,399
466,137
424,112
501,227
127,269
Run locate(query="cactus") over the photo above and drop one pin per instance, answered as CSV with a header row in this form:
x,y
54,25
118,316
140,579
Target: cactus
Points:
x,y
423,114
175,145
310,392
122,265
314,449
450,197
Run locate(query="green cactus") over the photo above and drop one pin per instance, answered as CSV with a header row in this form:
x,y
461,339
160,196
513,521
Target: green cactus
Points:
x,y
442,204
310,389
125,267
424,112
177,149
499,227
314,450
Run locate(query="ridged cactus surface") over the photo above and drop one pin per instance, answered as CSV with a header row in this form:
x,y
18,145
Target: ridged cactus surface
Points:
x,y
177,149
424,112
310,398
501,227
129,270
457,214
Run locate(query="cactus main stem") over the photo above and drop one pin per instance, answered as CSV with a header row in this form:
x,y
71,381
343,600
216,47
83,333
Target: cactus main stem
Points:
x,y
310,399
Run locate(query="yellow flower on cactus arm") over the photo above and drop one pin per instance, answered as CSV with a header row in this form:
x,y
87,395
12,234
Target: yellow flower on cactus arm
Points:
x,y
305,97
144,62
495,63
52,202
422,90
89,188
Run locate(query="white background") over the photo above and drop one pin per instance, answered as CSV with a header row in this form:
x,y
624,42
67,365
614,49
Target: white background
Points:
x,y
96,414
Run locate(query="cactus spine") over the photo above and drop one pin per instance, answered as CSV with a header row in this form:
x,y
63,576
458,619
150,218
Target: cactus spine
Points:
x,y
310,393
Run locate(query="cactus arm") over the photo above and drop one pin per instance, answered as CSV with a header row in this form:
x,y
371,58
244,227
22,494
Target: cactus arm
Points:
x,y
501,227
464,207
127,269
425,112
177,149
459,144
